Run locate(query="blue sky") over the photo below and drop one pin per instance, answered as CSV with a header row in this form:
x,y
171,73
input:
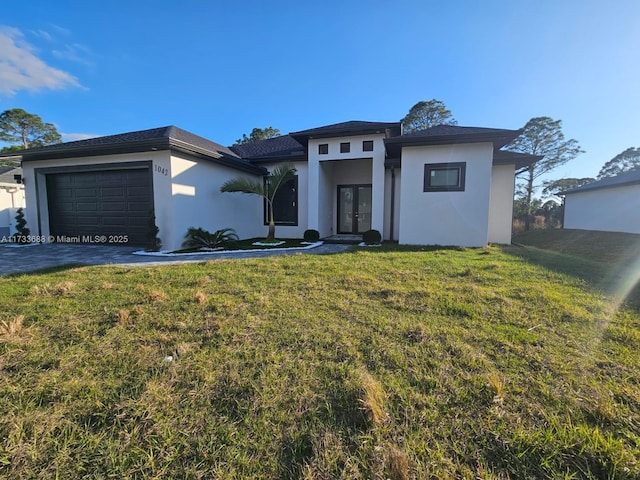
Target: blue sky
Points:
x,y
220,68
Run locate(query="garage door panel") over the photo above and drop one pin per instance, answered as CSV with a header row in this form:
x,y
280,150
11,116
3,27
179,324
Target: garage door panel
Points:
x,y
114,207
113,202
86,207
111,221
137,191
85,193
117,192
138,207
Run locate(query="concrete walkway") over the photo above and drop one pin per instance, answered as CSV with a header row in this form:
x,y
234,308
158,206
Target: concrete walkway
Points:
x,y
24,259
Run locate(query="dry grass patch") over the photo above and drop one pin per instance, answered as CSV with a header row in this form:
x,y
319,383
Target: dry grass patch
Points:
x,y
13,329
156,296
200,298
123,316
373,400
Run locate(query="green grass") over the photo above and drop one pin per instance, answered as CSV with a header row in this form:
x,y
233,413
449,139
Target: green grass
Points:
x,y
376,363
610,260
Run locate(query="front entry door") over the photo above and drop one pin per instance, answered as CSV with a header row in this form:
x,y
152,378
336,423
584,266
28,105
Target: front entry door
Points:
x,y
354,208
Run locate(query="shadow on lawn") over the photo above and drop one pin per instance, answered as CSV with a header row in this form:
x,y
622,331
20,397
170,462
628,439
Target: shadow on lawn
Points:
x,y
45,270
612,279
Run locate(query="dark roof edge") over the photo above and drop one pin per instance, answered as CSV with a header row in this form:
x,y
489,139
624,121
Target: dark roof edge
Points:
x,y
74,151
592,186
505,157
140,146
503,136
278,159
344,131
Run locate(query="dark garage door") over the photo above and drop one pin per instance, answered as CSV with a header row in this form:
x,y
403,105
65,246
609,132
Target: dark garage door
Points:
x,y
105,202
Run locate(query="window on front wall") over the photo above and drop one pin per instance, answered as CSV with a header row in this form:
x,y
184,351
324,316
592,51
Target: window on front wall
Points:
x,y
345,147
444,177
285,204
367,145
323,149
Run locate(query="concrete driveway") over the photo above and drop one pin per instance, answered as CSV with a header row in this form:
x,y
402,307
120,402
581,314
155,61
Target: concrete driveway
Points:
x,y
23,259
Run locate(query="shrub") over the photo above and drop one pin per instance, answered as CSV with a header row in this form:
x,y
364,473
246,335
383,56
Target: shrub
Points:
x,y
201,238
311,235
22,235
371,237
153,241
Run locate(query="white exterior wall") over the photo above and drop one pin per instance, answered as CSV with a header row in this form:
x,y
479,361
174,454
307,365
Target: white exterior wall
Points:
x,y
196,201
326,172
290,231
37,209
446,218
501,203
615,209
11,199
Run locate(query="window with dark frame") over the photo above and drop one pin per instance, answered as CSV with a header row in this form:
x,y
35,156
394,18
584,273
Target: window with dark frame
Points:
x,y
323,149
367,145
285,204
444,177
345,147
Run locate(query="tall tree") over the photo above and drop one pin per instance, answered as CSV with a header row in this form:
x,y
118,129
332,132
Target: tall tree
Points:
x,y
26,129
551,188
426,114
258,134
626,161
265,188
542,136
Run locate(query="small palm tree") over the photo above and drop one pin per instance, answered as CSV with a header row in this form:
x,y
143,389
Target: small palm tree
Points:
x,y
266,189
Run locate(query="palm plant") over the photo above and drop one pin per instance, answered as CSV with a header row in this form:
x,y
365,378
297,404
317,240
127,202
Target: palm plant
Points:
x,y
201,238
265,188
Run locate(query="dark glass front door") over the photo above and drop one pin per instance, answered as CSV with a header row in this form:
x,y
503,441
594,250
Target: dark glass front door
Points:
x,y
354,208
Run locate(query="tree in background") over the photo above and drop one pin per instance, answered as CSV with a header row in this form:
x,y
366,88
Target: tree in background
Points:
x,y
26,130
627,161
266,189
426,114
551,188
541,136
258,134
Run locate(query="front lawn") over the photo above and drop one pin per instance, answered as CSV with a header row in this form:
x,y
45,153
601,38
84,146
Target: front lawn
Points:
x,y
610,260
377,363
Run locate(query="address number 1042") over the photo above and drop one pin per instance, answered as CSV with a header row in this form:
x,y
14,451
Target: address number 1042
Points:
x,y
161,170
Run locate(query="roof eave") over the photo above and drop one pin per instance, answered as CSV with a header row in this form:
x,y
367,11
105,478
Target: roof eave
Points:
x,y
303,136
589,188
160,144
94,151
278,158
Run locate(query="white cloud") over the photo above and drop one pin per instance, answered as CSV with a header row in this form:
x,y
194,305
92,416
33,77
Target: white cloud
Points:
x,y
74,52
65,32
42,34
20,69
72,137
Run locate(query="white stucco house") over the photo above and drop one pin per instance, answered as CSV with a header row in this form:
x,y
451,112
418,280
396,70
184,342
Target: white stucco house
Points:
x,y
610,205
446,185
11,199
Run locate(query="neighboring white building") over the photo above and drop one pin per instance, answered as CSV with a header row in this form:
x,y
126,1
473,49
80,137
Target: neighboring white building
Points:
x,y
610,205
11,199
446,185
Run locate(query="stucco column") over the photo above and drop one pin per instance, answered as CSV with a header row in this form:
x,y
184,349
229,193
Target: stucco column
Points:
x,y
377,192
314,194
